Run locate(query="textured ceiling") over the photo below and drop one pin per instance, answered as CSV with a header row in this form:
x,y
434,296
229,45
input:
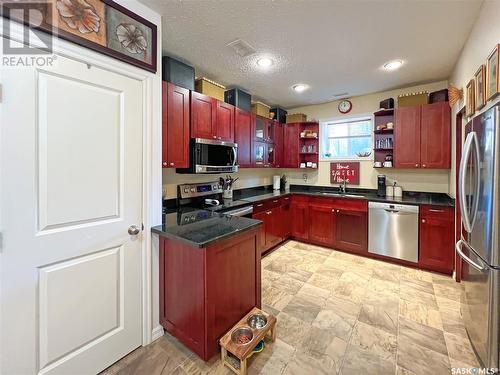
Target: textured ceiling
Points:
x,y
333,46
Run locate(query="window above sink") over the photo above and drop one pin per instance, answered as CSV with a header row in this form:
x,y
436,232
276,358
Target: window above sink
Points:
x,y
347,139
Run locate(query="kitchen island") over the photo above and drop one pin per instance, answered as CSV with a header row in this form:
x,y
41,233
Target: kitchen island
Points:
x,y
209,276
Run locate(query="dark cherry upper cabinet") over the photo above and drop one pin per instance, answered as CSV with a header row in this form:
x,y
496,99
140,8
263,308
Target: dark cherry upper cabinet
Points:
x,y
211,118
203,116
437,238
175,126
423,136
277,137
224,129
407,137
261,128
322,228
291,145
260,154
351,230
300,213
435,149
243,136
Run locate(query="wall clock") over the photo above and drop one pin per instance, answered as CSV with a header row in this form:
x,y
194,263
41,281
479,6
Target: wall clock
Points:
x,y
345,106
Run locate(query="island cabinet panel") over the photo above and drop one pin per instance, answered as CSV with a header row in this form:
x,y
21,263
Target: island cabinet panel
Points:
x,y
182,302
243,136
436,136
290,145
231,286
205,291
300,214
175,126
407,137
351,230
437,238
322,223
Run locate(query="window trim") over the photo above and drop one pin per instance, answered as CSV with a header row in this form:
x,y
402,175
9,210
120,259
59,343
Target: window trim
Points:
x,y
344,119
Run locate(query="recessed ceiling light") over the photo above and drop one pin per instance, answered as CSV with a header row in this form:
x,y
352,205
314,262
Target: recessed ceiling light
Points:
x,y
265,62
393,64
299,87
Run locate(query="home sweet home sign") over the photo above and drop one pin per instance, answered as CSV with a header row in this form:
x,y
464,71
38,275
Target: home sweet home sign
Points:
x,y
348,171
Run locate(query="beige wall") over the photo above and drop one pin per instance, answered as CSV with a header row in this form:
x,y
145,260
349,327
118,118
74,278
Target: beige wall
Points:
x,y
484,36
414,180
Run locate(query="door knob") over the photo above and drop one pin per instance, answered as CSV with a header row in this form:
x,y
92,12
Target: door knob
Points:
x,y
133,230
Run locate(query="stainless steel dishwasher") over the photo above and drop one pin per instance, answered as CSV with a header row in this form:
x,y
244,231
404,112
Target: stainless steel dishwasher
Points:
x,y
393,230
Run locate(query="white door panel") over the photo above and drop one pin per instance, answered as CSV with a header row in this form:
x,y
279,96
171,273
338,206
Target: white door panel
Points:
x,y
71,185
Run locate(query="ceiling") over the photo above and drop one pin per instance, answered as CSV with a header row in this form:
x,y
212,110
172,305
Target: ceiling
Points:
x,y
332,46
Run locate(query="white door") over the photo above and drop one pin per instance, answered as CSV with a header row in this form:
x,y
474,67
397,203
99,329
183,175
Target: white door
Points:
x,y
70,186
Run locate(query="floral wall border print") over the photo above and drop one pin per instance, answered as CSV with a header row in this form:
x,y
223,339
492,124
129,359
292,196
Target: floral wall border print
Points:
x,y
101,25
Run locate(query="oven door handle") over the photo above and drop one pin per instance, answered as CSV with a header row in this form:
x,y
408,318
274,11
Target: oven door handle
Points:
x,y
240,212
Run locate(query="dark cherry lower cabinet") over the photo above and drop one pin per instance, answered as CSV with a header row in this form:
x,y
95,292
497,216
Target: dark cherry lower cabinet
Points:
x,y
300,214
351,230
205,291
322,223
437,238
175,126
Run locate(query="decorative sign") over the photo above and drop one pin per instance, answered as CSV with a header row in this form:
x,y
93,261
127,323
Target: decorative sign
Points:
x,y
348,171
101,25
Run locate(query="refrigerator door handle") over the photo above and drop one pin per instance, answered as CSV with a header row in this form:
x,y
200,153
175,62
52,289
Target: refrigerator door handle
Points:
x,y
464,211
458,247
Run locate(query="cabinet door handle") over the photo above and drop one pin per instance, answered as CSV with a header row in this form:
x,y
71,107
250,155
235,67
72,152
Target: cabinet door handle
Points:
x,y
423,165
172,164
269,212
434,210
276,201
260,205
423,221
164,163
416,165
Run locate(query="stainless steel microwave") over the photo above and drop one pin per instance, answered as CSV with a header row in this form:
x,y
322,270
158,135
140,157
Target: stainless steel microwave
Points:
x,y
211,156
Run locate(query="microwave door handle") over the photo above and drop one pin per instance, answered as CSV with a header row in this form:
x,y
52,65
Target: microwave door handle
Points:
x,y
234,155
458,248
461,183
475,203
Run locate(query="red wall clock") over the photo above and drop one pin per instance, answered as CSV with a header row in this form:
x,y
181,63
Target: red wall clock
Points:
x,y
345,106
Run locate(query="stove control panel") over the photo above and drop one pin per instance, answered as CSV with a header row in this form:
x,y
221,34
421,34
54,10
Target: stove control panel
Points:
x,y
199,190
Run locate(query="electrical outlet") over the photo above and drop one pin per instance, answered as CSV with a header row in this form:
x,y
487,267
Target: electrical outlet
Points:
x,y
305,177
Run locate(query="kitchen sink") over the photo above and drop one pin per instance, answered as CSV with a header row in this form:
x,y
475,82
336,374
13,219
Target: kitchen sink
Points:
x,y
342,194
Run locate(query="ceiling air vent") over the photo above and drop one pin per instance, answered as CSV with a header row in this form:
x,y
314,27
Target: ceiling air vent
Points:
x,y
241,47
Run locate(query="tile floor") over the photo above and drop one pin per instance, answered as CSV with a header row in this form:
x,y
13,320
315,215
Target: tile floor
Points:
x,y
338,314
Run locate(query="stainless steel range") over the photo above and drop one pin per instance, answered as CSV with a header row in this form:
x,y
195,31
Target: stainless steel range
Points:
x,y
207,196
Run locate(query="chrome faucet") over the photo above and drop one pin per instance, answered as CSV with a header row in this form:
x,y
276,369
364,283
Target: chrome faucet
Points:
x,y
342,186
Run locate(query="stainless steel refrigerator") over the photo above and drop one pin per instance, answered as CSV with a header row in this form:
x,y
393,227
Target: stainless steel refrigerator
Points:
x,y
478,193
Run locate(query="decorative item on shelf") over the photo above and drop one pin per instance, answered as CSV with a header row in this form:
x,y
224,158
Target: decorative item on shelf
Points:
x,y
413,99
479,81
469,99
302,165
387,164
364,153
260,109
308,134
344,171
388,157
390,125
387,104
438,96
238,98
381,126
100,25
280,114
177,72
314,165
454,94
345,106
377,164
295,117
210,88
492,74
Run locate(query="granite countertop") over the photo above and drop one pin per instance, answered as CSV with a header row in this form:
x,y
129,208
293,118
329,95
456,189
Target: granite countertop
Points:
x,y
210,227
412,198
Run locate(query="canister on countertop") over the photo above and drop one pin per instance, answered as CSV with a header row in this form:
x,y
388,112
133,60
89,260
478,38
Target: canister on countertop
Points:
x,y
389,191
398,191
